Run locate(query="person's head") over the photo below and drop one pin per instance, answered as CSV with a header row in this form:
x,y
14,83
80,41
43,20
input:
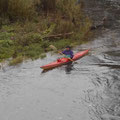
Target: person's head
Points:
x,y
68,47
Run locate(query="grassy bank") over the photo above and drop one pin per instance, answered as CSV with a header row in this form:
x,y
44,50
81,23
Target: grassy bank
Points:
x,y
26,39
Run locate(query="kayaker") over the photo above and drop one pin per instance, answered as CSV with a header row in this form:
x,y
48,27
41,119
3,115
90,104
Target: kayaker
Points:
x,y
68,52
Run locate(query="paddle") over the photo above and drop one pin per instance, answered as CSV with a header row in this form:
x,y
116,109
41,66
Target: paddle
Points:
x,y
54,48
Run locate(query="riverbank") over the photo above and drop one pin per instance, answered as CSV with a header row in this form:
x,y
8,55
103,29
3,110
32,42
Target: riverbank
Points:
x,y
24,41
30,39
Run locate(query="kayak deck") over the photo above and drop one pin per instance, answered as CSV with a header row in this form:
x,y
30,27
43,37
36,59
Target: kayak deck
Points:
x,y
62,61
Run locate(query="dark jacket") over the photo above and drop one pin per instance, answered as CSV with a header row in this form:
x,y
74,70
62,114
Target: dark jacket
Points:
x,y
68,52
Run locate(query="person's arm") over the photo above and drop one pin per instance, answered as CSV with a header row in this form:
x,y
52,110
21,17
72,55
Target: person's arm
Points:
x,y
72,54
63,52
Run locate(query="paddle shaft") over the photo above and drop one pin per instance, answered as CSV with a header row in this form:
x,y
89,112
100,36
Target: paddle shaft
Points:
x,y
66,56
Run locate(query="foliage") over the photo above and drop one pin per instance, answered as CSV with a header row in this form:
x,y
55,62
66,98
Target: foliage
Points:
x,y
6,35
48,5
21,9
16,61
29,35
64,26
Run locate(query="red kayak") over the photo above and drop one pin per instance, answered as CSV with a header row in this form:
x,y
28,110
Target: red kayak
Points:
x,y
62,61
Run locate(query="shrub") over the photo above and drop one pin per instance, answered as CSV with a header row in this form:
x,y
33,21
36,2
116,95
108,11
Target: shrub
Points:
x,y
33,51
16,61
43,55
21,9
6,35
32,37
64,26
6,52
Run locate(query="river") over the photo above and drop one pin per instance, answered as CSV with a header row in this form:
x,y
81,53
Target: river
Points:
x,y
87,90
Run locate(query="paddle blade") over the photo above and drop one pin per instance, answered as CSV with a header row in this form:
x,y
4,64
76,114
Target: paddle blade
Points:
x,y
53,47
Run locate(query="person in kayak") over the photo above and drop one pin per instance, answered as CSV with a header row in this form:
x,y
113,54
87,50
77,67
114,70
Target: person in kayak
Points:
x,y
68,52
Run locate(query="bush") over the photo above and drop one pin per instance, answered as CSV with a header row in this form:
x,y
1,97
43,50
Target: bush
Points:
x,y
69,9
63,43
6,52
21,9
64,26
33,51
28,39
6,35
32,37
16,61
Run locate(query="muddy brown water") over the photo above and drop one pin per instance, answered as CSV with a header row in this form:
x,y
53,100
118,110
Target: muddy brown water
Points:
x,y
88,90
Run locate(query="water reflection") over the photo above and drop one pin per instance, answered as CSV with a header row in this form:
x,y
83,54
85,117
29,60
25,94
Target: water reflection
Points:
x,y
69,68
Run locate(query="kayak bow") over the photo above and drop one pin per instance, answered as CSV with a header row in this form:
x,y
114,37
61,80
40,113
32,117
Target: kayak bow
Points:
x,y
62,61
